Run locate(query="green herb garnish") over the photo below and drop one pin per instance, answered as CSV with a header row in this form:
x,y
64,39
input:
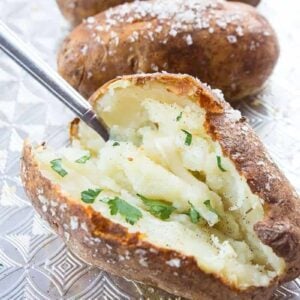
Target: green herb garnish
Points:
x,y
83,159
208,205
188,138
131,213
158,208
219,162
116,144
90,195
193,214
57,167
178,118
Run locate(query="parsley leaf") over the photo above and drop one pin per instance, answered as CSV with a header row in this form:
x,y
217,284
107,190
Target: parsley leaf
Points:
x,y
116,144
90,195
208,205
83,159
178,118
219,162
193,214
131,213
57,167
188,138
158,208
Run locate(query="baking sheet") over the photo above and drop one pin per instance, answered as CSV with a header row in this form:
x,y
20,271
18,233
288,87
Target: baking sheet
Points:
x,y
36,264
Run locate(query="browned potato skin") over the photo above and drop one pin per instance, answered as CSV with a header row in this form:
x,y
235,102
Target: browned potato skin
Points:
x,y
279,229
250,2
239,69
77,10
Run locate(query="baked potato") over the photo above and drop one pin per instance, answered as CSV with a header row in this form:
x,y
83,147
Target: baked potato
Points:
x,y
77,10
183,196
229,45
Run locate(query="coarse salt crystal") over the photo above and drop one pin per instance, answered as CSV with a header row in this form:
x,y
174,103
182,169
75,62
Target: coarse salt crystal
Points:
x,y
173,32
239,31
84,49
158,29
89,75
174,262
189,40
231,39
90,20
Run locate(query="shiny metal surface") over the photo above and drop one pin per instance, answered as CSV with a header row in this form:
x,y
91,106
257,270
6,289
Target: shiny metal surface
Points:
x,y
26,57
36,264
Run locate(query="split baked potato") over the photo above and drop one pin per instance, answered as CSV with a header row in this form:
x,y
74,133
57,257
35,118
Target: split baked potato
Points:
x,y
229,45
183,196
77,10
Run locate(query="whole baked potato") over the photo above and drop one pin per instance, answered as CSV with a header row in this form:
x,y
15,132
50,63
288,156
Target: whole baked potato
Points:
x,y
77,10
183,196
229,45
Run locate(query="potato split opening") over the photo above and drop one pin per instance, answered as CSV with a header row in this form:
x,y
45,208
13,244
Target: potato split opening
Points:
x,y
162,175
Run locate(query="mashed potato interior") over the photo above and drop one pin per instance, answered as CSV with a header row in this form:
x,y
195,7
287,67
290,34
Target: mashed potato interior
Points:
x,y
196,201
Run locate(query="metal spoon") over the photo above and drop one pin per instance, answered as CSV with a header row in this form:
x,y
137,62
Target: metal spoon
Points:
x,y
35,66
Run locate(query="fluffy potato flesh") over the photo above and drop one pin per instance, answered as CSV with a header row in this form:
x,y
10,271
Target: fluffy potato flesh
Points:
x,y
185,194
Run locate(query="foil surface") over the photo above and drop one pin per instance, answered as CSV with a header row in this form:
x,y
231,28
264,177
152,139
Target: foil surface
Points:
x,y
34,262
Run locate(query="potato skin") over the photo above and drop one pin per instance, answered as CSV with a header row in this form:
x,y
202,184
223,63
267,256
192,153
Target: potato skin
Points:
x,y
104,243
77,10
236,56
250,2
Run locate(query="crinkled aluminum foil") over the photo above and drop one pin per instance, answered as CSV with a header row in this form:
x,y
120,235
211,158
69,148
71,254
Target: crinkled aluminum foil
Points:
x,y
36,264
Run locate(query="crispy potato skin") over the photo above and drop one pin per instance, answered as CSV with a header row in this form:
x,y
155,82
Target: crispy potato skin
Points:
x,y
77,10
104,243
237,68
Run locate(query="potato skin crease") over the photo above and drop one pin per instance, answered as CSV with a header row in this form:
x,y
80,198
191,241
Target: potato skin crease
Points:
x,y
77,10
104,243
237,59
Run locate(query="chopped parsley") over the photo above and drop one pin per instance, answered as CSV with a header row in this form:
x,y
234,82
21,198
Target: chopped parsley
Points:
x,y
208,205
178,118
116,144
131,213
249,210
90,195
188,138
83,159
193,214
57,167
158,208
219,162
